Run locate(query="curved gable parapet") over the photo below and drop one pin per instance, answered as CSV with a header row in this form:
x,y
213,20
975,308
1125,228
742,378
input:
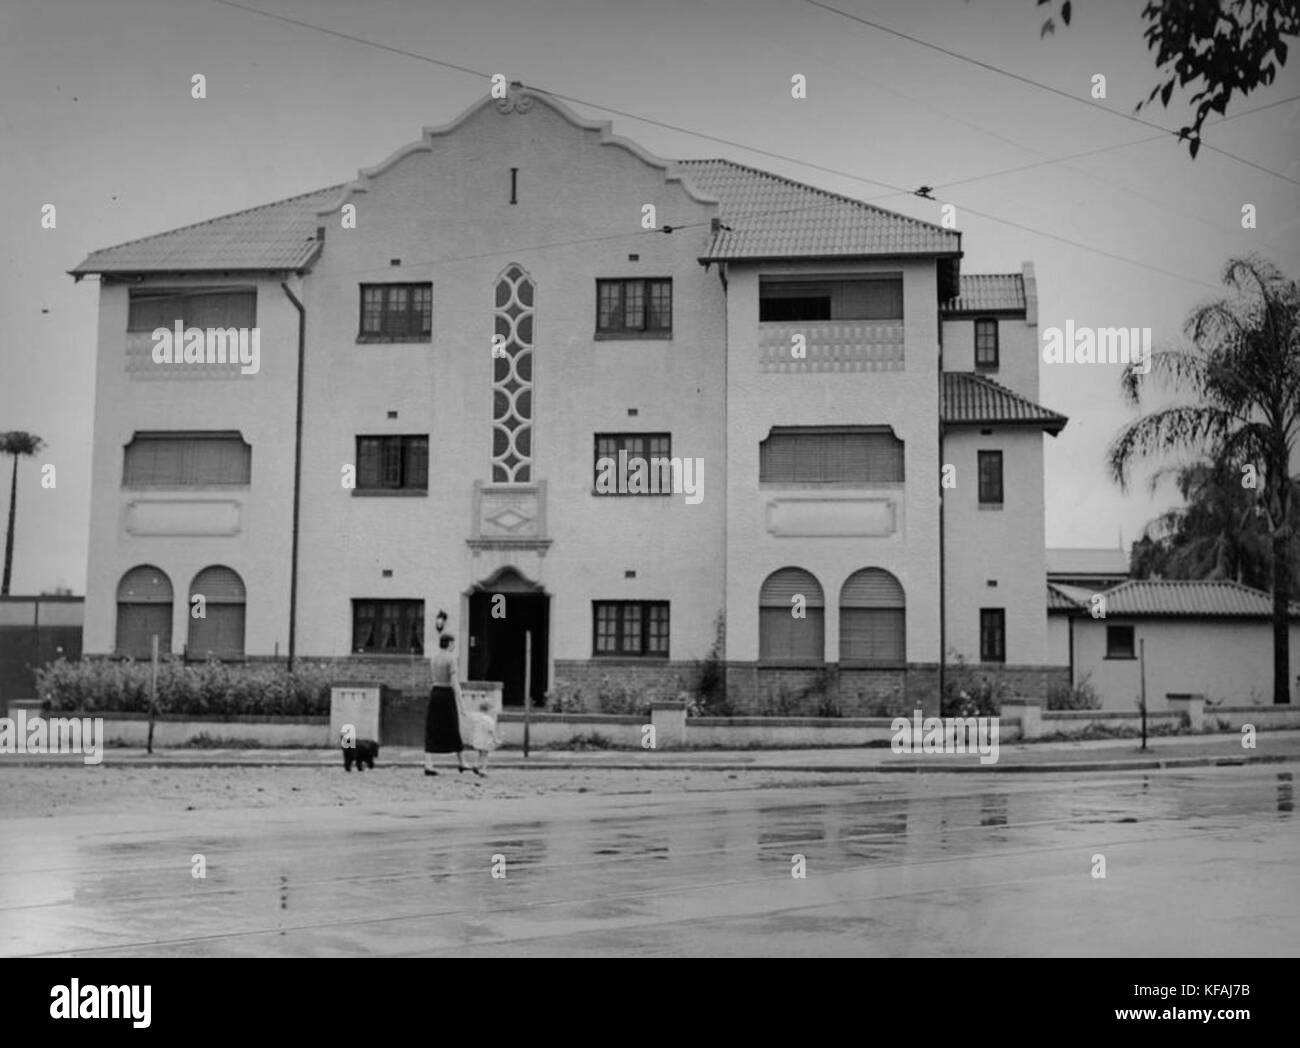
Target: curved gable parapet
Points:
x,y
521,100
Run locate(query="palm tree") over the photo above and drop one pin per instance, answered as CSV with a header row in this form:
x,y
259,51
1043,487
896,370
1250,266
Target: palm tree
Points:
x,y
1242,369
15,443
1218,534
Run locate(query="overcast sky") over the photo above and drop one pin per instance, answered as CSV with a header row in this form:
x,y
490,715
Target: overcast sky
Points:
x,y
96,117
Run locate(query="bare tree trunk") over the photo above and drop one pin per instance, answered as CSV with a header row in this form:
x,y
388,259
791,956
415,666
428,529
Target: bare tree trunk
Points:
x,y
1282,599
9,535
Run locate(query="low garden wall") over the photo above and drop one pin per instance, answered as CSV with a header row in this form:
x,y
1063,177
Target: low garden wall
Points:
x,y
624,731
262,705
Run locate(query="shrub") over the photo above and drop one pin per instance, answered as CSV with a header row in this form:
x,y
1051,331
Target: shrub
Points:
x,y
592,741
1083,696
204,741
565,698
617,698
710,693
967,693
211,688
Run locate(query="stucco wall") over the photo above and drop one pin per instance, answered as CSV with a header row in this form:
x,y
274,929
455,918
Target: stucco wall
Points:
x,y
260,406
905,400
444,212
1058,640
996,545
1226,660
1018,352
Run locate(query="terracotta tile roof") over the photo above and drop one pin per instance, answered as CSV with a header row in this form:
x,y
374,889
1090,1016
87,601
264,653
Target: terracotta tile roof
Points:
x,y
774,217
1061,597
971,399
1218,598
988,293
270,237
765,215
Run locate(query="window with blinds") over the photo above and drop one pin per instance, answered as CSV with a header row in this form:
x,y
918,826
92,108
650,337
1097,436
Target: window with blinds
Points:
x,y
873,624
783,636
830,455
220,632
393,463
189,459
144,609
151,308
794,300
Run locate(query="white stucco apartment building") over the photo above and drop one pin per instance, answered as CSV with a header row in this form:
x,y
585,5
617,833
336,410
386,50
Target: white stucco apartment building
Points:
x,y
451,344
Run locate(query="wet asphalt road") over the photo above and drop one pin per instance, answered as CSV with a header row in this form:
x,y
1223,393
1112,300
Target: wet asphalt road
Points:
x,y
1197,863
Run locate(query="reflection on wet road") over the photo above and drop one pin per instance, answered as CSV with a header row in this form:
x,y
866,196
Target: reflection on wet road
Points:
x,y
1196,863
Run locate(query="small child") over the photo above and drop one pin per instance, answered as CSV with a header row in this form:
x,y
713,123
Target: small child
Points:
x,y
481,735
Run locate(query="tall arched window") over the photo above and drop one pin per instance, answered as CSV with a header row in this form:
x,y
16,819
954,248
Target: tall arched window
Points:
x,y
219,630
789,628
144,608
873,618
512,378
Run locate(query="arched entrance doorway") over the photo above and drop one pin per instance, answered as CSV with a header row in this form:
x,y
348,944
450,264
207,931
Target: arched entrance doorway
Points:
x,y
502,609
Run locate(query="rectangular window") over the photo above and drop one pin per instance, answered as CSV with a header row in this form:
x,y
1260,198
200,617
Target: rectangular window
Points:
x,y
185,460
990,478
631,629
194,307
993,635
1120,643
634,308
393,463
396,313
786,301
388,627
986,343
830,455
652,448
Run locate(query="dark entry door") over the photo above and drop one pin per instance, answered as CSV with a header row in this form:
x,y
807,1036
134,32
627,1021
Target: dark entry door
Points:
x,y
496,644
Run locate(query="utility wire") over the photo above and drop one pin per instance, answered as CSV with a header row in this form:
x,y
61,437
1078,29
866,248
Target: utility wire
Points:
x,y
1042,86
895,189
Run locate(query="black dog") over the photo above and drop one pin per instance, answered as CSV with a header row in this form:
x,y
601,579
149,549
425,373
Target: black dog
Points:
x,y
363,753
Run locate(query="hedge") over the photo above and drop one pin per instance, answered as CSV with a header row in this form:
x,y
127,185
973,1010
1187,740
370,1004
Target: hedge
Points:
x,y
211,688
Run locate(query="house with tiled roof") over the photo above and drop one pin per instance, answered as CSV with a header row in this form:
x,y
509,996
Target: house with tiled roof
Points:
x,y
1206,637
526,384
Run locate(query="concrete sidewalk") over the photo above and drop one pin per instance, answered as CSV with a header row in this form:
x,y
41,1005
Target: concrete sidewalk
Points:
x,y
1094,755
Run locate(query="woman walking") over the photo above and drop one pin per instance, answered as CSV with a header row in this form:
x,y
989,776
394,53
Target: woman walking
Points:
x,y
442,722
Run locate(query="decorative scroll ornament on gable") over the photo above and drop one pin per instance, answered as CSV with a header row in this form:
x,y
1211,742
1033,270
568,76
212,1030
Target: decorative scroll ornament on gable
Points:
x,y
517,100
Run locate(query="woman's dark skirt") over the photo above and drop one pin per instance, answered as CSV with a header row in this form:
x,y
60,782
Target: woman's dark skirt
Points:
x,y
442,723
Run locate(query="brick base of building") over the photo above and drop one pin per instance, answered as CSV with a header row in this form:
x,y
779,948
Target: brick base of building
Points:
x,y
831,690
1019,682
817,690
588,679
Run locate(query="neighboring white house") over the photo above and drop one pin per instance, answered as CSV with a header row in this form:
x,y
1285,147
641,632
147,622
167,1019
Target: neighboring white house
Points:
x,y
1093,569
1210,638
1073,576
450,346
